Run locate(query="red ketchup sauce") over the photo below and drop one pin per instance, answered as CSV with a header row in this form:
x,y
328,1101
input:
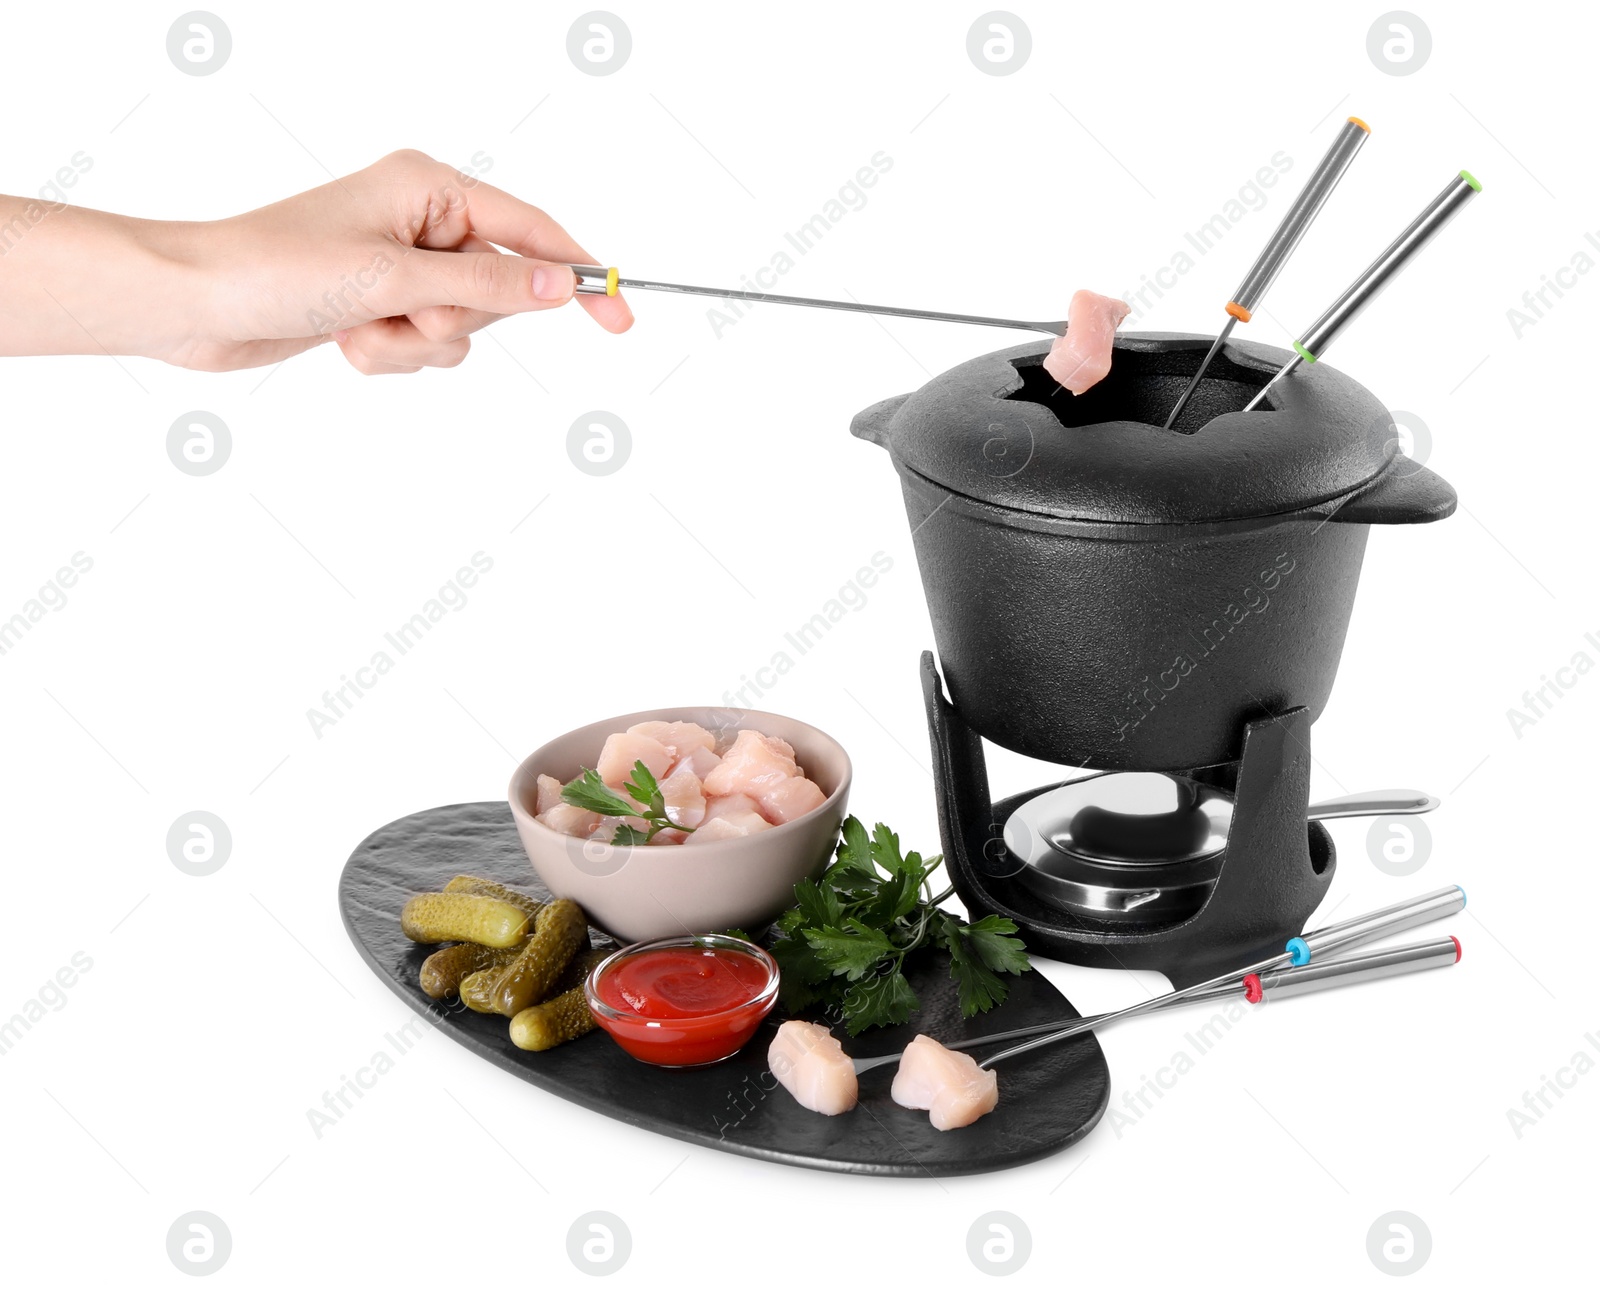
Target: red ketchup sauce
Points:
x,y
684,1004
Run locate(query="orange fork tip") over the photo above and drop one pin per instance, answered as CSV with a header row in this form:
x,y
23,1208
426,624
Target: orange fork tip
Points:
x,y
1356,120
1237,311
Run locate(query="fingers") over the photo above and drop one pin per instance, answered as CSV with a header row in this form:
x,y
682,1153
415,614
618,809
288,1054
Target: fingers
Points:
x,y
528,231
610,311
449,321
457,205
451,281
488,283
392,346
429,206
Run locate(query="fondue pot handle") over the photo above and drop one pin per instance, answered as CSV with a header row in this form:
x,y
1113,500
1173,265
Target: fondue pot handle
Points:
x,y
872,424
1405,493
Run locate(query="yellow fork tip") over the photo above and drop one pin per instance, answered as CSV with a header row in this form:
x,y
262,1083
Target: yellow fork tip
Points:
x,y
611,281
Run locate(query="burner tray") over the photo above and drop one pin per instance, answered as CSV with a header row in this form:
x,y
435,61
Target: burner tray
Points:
x,y
1213,910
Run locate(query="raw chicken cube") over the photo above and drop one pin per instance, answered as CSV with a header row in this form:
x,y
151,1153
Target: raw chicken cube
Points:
x,y
678,737
684,799
702,760
1080,359
789,799
809,1061
615,765
753,764
949,1085
549,794
727,826
735,816
781,746
737,804
572,820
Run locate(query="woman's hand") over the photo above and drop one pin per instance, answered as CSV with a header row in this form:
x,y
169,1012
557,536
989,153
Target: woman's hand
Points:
x,y
396,263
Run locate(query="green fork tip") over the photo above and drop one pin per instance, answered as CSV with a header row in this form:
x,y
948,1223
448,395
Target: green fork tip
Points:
x,y
1476,186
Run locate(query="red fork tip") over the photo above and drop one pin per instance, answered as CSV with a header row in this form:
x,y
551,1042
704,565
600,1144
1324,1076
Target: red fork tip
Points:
x,y
1457,944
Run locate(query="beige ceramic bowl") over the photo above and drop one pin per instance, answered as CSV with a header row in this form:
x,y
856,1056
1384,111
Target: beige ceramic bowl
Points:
x,y
640,893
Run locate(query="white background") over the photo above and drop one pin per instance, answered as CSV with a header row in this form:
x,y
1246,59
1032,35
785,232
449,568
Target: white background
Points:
x,y
218,1010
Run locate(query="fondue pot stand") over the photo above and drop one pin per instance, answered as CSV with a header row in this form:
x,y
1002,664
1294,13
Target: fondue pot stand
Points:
x,y
1109,594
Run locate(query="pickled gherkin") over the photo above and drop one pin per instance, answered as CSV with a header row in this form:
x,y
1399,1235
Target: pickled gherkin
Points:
x,y
563,1018
478,990
577,971
559,932
467,884
438,916
442,972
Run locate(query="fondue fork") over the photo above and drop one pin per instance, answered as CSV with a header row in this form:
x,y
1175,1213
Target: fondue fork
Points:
x,y
1355,969
1383,270
1298,952
1324,179
1327,943
596,279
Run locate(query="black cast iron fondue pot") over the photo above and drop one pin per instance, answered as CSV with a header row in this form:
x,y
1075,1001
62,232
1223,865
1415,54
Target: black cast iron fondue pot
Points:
x,y
1105,592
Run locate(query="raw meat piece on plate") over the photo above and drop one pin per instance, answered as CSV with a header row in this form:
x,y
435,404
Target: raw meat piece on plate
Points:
x,y
810,1062
949,1085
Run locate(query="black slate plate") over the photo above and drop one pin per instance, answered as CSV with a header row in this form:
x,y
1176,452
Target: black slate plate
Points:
x,y
1048,1099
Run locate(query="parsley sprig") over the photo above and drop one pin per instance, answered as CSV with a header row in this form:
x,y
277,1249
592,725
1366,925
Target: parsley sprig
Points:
x,y
590,792
845,943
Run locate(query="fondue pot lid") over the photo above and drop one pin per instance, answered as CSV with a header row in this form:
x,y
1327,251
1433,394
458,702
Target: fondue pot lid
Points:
x,y
999,430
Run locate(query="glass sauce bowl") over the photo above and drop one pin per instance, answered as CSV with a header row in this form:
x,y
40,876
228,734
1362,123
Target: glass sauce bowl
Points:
x,y
683,1000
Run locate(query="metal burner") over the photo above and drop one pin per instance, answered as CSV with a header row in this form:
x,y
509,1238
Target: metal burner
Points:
x,y
1132,818
1145,847
1263,887
1135,846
